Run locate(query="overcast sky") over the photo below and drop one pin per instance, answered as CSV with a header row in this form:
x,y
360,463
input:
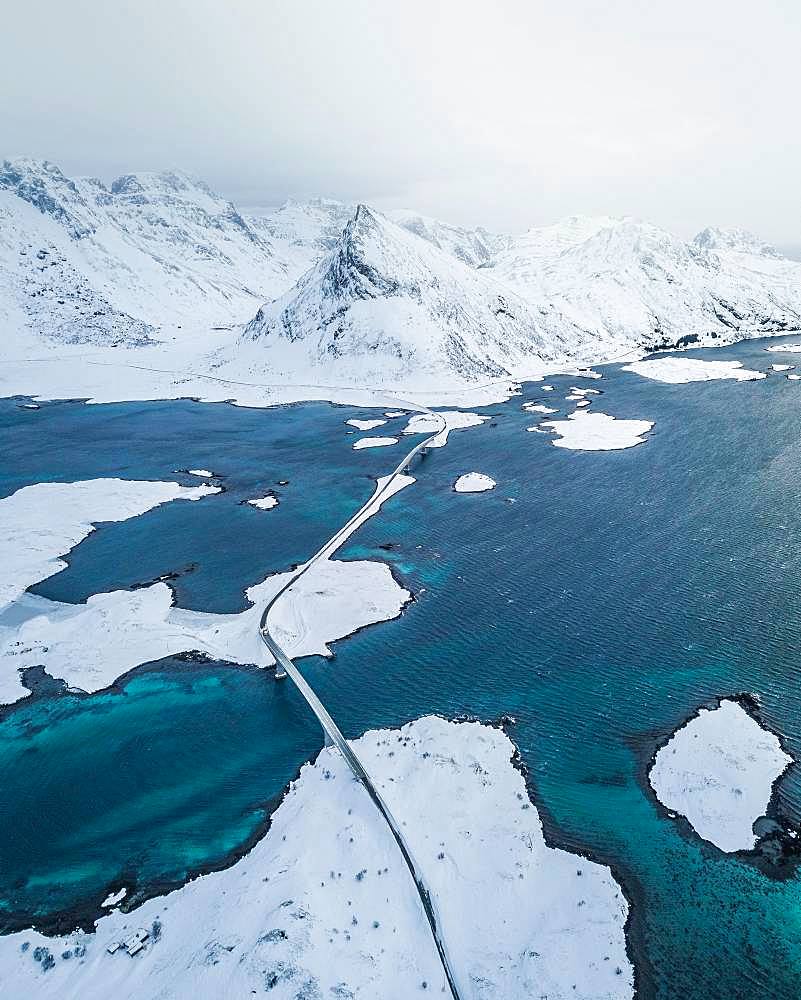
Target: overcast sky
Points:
x,y
503,113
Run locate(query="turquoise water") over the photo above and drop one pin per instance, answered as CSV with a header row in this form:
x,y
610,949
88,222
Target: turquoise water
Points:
x,y
616,594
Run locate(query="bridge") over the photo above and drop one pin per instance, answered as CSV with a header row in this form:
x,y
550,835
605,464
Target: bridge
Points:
x,y
333,735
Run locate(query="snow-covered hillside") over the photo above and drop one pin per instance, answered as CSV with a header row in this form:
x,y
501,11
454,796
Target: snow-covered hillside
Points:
x,y
628,280
304,231
474,247
387,306
332,293
148,256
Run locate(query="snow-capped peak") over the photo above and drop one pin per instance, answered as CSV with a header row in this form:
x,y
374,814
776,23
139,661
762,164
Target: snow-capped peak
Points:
x,y
386,305
358,296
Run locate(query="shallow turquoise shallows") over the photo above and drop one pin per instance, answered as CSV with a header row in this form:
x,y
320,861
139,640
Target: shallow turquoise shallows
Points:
x,y
616,594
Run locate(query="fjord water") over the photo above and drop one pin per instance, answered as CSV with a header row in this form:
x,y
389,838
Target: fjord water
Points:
x,y
597,598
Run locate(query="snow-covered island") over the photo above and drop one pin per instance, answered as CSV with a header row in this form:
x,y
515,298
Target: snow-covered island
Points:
x,y
718,771
374,442
264,503
91,645
474,482
455,420
39,523
324,905
583,431
681,370
534,407
364,425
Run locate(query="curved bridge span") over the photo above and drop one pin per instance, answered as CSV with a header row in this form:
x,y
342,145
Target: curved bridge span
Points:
x,y
333,735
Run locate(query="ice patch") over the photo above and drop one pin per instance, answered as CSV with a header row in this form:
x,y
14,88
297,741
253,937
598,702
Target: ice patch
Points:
x,y
264,503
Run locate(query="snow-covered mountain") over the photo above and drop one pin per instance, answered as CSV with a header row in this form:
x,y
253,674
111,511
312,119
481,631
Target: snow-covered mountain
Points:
x,y
82,262
475,247
331,291
387,305
624,280
304,231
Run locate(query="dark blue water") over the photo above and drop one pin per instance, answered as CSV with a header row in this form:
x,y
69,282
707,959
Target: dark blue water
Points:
x,y
618,593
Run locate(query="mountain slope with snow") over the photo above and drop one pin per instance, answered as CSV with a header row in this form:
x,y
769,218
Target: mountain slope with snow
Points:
x,y
330,292
628,280
474,247
84,263
388,306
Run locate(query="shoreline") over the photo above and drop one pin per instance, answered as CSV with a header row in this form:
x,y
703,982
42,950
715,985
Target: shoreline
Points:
x,y
84,917
776,854
555,836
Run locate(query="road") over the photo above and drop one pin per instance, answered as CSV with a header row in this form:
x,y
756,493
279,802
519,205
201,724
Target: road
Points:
x,y
333,735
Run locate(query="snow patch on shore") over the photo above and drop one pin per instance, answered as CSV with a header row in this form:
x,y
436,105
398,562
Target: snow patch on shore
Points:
x,y
474,482
583,431
455,420
39,523
343,919
677,371
718,771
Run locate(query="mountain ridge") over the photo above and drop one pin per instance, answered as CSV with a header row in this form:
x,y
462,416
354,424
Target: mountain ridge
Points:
x,y
333,288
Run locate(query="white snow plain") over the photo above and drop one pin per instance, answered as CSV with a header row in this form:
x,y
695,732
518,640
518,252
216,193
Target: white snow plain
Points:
x,y
785,349
680,370
39,523
323,904
583,431
718,770
474,482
